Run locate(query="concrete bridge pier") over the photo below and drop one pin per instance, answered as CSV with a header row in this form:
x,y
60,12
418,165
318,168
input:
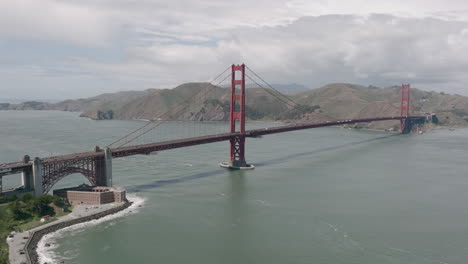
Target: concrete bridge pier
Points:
x,y
37,176
104,169
27,179
108,161
408,124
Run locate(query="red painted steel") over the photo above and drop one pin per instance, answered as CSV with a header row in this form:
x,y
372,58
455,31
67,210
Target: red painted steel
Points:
x,y
294,127
405,105
237,112
90,163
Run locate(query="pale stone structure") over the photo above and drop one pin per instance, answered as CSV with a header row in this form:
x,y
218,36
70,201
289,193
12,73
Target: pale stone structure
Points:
x,y
85,194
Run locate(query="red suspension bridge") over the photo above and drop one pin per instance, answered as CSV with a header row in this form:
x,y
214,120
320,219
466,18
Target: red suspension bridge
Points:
x,y
40,174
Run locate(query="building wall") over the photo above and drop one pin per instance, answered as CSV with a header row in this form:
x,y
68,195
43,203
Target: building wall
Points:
x,y
77,197
119,196
106,197
92,195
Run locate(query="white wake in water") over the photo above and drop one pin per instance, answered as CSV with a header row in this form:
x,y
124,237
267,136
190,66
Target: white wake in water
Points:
x,y
47,254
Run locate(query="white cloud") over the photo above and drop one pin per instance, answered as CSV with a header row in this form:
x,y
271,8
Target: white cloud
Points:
x,y
54,20
91,22
380,49
164,43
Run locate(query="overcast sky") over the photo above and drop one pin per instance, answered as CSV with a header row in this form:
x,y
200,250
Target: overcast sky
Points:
x,y
57,49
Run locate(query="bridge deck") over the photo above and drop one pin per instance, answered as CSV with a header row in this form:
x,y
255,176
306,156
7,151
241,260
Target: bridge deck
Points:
x,y
293,127
6,167
180,143
148,148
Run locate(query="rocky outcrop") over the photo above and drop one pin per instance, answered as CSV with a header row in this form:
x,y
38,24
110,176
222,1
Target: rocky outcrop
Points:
x,y
99,115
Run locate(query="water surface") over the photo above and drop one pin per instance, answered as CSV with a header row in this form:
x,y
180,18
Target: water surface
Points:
x,y
326,195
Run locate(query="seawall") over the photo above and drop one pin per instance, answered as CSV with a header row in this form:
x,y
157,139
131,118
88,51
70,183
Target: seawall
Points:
x,y
31,244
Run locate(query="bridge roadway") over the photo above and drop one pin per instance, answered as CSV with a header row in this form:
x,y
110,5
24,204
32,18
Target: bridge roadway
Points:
x,y
7,168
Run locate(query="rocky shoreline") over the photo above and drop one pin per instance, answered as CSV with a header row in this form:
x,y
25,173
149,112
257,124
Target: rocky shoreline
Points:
x,y
31,244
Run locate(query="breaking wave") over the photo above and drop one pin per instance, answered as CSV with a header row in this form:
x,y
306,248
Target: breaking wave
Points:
x,y
48,255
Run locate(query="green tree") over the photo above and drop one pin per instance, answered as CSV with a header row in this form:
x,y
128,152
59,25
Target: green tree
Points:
x,y
12,198
27,197
18,210
58,201
39,206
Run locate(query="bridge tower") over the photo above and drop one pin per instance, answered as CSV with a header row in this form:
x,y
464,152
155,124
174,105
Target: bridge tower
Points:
x,y
405,126
237,120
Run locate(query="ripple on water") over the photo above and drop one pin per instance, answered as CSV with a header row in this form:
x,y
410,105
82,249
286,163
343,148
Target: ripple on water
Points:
x,y
49,255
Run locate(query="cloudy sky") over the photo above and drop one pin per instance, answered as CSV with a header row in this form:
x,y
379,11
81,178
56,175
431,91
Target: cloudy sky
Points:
x,y
56,49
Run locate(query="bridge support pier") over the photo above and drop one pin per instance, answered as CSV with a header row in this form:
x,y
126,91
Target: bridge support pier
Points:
x,y
407,126
37,176
237,149
104,169
27,179
108,161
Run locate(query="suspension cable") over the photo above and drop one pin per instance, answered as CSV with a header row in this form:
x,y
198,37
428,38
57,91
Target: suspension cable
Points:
x,y
268,91
287,98
171,116
168,111
280,93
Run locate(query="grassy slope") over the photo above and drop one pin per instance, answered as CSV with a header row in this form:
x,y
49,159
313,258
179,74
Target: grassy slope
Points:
x,y
157,103
338,100
3,234
353,101
19,225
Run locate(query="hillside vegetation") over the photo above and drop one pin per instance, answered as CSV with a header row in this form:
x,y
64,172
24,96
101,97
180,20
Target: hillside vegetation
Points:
x,y
24,213
347,101
333,101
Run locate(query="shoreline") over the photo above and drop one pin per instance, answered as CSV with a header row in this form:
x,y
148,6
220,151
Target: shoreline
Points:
x,y
35,238
286,121
82,214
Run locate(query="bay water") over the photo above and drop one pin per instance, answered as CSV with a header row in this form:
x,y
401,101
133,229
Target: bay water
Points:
x,y
327,195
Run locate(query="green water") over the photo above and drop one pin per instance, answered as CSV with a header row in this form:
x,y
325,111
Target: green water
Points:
x,y
327,195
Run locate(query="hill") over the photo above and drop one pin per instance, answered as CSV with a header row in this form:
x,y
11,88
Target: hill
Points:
x,y
346,101
103,101
291,89
333,101
214,104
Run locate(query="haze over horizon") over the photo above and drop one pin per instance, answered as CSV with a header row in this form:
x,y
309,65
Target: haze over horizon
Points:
x,y
57,50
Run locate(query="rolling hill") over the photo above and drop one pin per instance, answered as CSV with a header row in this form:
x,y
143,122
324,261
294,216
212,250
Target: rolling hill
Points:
x,y
333,101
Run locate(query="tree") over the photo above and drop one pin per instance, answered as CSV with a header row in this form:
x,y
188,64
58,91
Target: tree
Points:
x,y
26,197
39,206
58,201
18,210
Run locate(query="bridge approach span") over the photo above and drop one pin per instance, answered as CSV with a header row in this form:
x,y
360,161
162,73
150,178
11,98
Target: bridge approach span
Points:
x,y
187,142
40,174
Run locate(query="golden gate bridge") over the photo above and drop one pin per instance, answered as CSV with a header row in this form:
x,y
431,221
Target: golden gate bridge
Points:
x,y
41,174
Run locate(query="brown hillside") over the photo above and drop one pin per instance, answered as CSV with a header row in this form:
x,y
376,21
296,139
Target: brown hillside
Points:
x,y
333,101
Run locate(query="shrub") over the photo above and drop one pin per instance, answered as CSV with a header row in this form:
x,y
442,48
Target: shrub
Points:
x,y
26,197
18,210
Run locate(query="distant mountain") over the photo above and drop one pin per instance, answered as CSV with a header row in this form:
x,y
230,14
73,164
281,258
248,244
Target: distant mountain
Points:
x,y
103,101
342,101
212,104
29,105
290,89
100,102
333,101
